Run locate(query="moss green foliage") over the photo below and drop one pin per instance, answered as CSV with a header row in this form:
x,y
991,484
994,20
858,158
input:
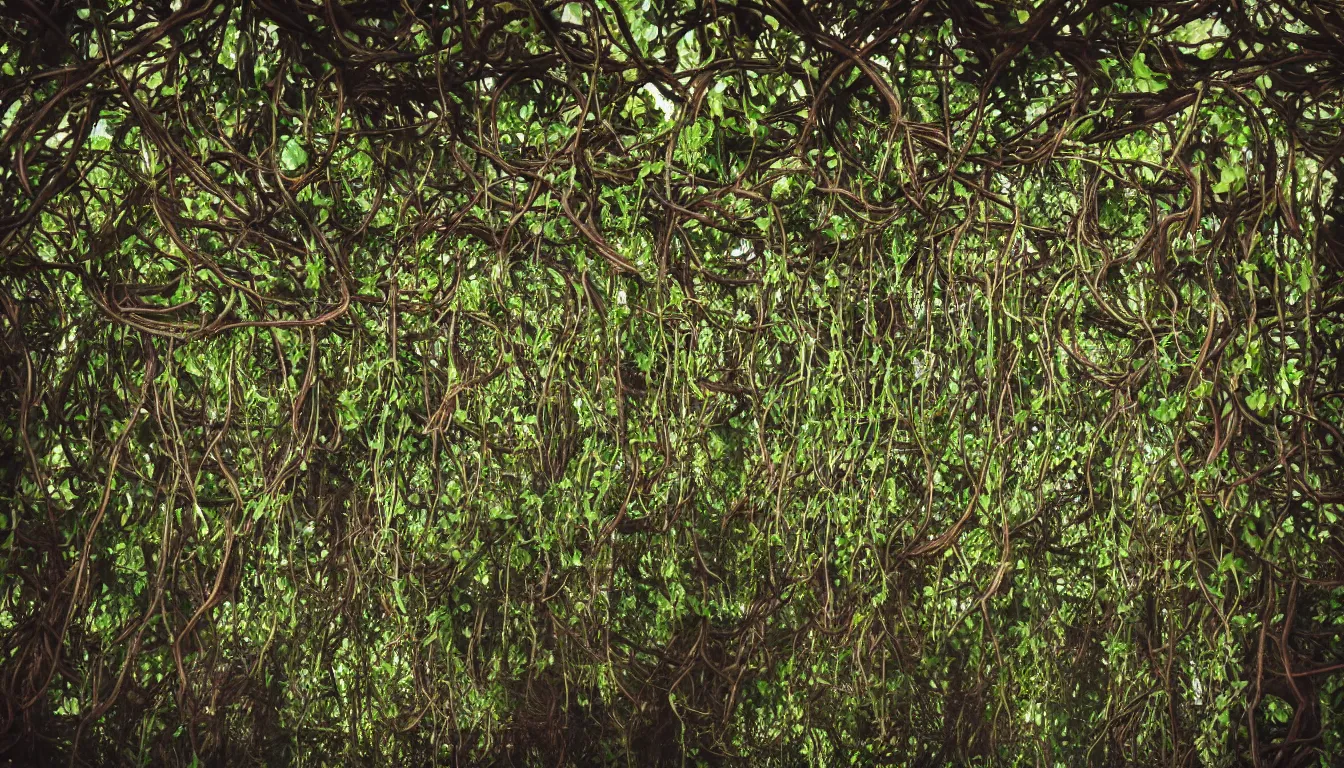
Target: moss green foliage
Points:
x,y
625,382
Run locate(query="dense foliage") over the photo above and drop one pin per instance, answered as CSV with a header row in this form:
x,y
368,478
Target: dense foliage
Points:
x,y
625,381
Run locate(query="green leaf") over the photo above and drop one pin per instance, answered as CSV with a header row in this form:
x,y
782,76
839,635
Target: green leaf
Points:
x,y
293,156
1145,79
1257,400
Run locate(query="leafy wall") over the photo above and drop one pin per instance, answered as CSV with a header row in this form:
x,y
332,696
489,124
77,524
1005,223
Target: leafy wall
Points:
x,y
630,381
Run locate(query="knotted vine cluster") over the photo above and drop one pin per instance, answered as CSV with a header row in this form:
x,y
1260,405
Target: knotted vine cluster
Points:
x,y
639,381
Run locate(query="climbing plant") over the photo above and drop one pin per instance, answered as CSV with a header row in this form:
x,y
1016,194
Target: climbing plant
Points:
x,y
623,382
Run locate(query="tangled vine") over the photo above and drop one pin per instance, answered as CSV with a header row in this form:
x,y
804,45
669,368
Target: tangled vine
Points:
x,y
915,382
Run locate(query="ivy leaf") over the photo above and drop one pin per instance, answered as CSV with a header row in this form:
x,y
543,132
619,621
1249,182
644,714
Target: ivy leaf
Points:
x,y
293,156
1145,79
1257,400
313,281
1233,176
